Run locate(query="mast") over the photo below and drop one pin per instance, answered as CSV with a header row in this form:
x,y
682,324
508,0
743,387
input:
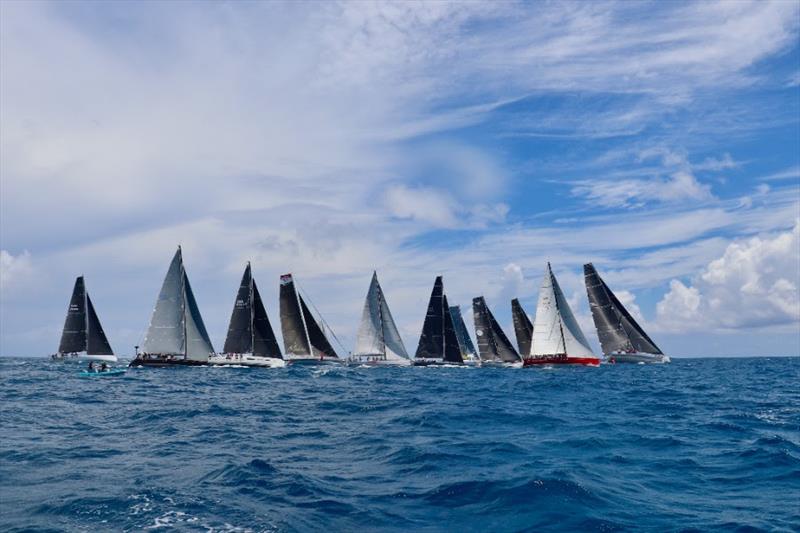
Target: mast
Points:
x,y
380,314
86,315
558,308
183,307
252,313
303,318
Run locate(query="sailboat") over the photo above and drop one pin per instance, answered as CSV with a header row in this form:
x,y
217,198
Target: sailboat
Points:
x,y
438,344
623,340
493,345
468,353
304,341
523,329
557,337
176,335
82,338
378,342
250,340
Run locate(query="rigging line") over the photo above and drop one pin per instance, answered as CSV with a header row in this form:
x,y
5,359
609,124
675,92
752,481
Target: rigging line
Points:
x,y
322,319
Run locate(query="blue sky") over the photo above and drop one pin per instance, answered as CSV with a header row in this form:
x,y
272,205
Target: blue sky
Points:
x,y
659,140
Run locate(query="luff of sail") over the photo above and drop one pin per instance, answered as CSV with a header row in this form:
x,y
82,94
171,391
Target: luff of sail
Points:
x,y
438,338
617,330
523,329
176,327
493,344
462,335
303,338
377,334
555,330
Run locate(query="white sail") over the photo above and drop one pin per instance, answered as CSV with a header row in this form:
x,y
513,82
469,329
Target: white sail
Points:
x,y
378,334
555,330
198,344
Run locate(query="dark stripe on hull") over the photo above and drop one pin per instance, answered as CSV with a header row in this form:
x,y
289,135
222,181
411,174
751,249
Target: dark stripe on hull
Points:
x,y
159,363
587,361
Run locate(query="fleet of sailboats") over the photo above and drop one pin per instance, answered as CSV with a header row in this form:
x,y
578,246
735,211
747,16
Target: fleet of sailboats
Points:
x,y
177,336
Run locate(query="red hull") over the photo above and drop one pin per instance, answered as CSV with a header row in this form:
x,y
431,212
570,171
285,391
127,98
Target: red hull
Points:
x,y
588,361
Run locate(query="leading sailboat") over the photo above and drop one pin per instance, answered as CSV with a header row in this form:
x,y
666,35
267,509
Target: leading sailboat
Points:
x,y
622,338
250,340
176,335
493,345
304,341
557,337
378,342
438,344
83,338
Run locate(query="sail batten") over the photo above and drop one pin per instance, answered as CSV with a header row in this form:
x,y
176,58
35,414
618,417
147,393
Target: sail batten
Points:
x,y
617,330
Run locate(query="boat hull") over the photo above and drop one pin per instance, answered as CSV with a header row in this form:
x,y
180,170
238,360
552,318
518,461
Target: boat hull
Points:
x,y
311,361
373,361
160,362
435,362
103,373
637,357
555,360
82,357
500,364
246,360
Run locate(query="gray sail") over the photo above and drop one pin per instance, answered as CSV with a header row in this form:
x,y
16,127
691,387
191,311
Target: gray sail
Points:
x,y
617,330
264,342
393,342
493,344
523,329
295,339
73,336
575,343
464,340
96,341
240,329
452,352
370,339
165,334
198,344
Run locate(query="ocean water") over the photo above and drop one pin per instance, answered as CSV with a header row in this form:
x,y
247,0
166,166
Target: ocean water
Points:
x,y
701,444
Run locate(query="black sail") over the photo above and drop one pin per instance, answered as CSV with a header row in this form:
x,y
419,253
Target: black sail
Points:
x,y
431,341
264,342
616,328
452,352
464,341
295,341
319,342
523,328
493,343
73,337
240,329
96,341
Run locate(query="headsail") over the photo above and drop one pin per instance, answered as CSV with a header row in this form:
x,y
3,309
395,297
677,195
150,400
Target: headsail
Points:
x,y
493,343
73,336
555,330
438,339
265,343
96,341
616,328
176,327
302,336
378,334
240,329
522,328
464,341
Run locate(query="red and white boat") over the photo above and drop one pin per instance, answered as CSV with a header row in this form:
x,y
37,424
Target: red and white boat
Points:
x,y
557,337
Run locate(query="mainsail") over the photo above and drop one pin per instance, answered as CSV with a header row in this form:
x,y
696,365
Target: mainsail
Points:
x,y
555,330
493,344
302,336
438,339
464,340
378,334
176,327
616,328
249,330
523,328
82,330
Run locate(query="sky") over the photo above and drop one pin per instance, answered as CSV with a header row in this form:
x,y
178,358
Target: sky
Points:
x,y
658,140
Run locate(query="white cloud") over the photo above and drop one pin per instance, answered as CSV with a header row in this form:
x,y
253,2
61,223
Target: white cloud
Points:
x,y
754,284
14,268
422,204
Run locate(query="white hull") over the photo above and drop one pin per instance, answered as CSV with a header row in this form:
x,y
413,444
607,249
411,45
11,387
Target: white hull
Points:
x,y
637,357
246,360
81,357
371,360
307,360
500,364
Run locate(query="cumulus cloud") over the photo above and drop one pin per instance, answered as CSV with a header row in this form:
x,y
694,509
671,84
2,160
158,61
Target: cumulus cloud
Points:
x,y
13,268
754,284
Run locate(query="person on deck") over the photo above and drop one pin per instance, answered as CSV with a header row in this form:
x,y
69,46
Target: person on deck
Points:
x,y
91,366
104,367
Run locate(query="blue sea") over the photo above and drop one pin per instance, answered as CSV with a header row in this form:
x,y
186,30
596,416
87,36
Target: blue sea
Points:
x,y
700,444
